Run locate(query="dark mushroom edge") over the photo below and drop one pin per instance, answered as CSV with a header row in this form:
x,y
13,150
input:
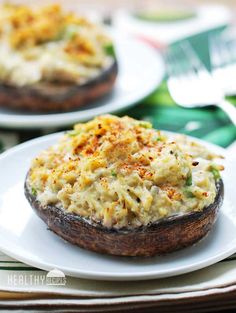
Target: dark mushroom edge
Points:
x,y
58,97
164,236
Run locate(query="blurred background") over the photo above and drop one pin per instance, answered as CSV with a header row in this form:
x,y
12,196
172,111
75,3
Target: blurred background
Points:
x,y
164,25
109,7
113,4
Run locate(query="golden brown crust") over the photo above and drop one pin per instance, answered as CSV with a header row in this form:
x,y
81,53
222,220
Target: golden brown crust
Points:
x,y
52,97
165,236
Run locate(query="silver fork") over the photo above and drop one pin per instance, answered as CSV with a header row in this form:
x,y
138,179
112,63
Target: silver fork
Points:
x,y
223,61
190,84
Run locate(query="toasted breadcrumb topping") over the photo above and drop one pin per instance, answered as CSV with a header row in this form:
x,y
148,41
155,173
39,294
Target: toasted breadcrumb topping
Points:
x,y
121,172
50,44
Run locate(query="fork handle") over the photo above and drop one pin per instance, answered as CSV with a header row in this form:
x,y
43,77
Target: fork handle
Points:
x,y
229,109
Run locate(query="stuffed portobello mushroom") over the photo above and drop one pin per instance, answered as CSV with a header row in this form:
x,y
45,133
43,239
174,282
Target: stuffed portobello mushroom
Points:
x,y
117,186
52,60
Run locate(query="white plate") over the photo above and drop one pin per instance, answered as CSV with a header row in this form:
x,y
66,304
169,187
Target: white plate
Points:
x,y
25,237
141,70
208,17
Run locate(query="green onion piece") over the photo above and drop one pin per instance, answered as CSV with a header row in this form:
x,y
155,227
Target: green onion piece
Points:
x,y
34,191
188,193
113,173
215,172
109,49
145,124
189,180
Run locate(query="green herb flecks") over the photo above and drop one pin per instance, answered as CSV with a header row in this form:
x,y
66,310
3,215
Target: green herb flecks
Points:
x,y
109,49
34,191
188,193
189,180
113,173
145,124
215,172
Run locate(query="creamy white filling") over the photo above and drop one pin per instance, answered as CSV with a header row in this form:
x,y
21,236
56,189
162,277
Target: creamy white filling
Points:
x,y
45,64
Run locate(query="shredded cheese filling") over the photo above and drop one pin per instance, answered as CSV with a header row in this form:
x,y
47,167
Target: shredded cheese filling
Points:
x,y
122,173
48,44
